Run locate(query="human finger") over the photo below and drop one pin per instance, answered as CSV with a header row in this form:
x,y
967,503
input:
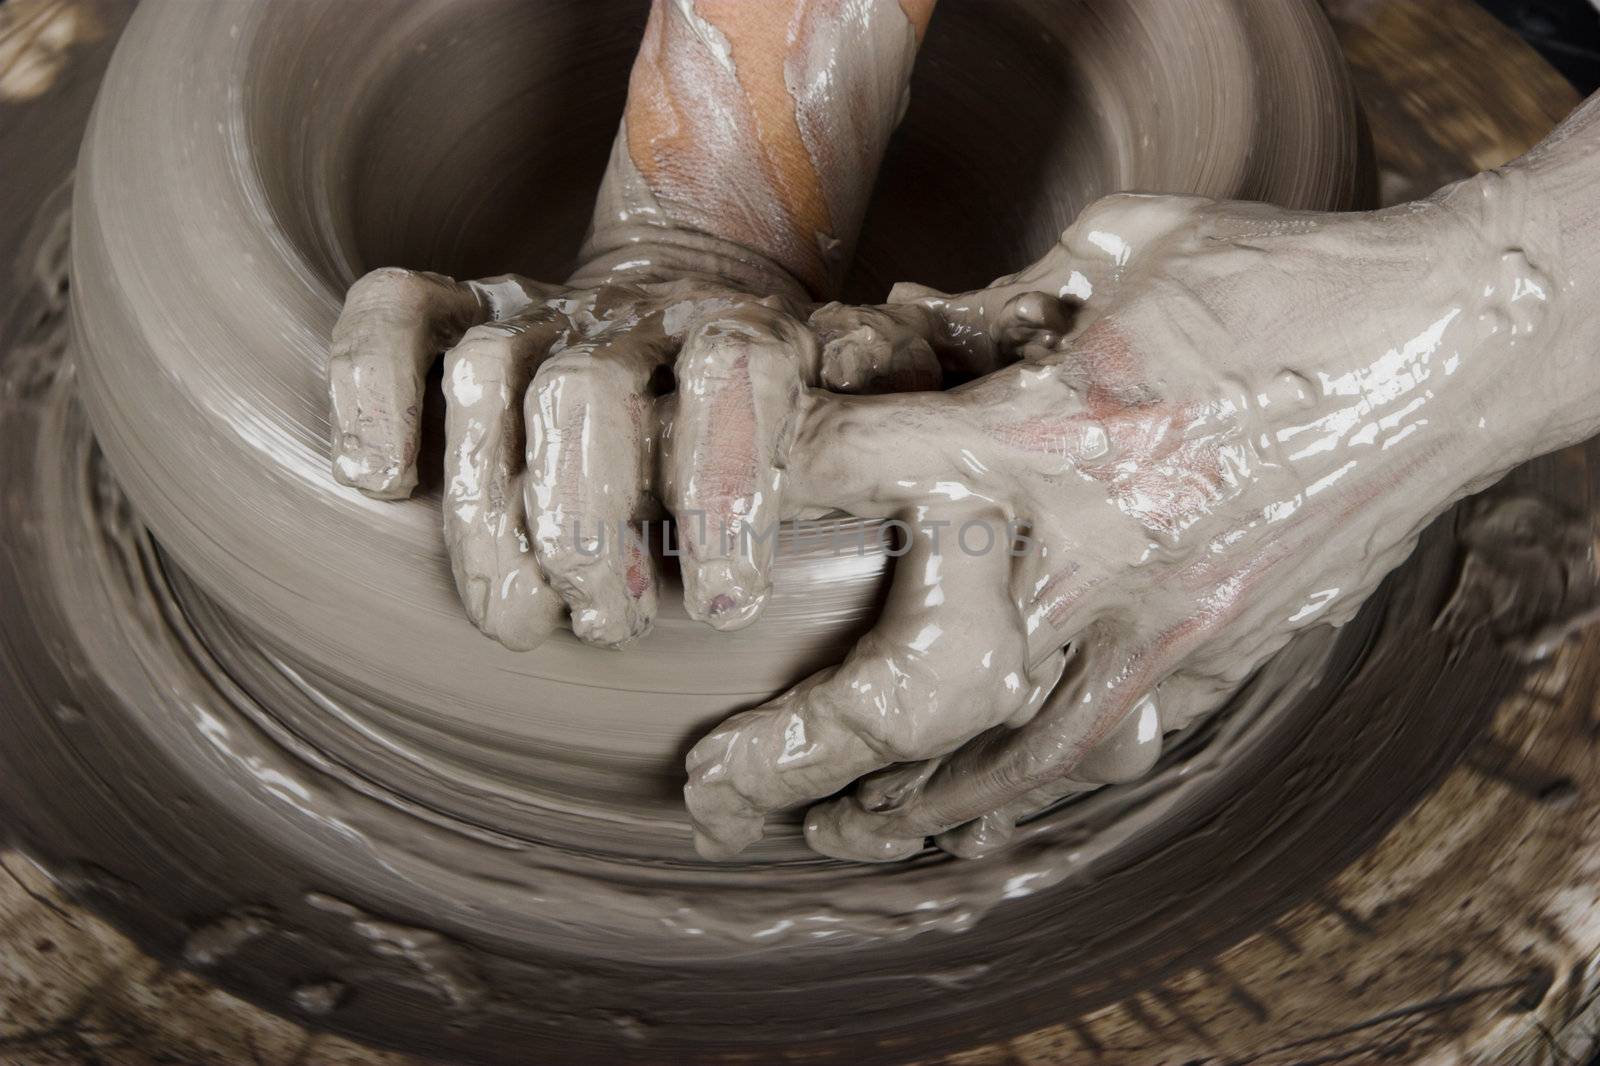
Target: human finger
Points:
x,y
485,527
1042,307
874,349
1126,755
948,659
895,786
741,376
393,324
591,430
997,770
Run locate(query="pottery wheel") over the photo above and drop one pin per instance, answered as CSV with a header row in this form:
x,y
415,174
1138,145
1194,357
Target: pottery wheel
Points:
x,y
1385,847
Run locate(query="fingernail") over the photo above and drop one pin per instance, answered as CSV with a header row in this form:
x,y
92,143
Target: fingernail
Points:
x,y
717,849
477,599
614,628
840,829
880,799
374,472
1040,311
723,824
726,594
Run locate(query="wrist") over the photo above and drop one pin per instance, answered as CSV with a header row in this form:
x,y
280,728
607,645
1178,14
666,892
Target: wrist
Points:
x,y
643,252
1445,358
1532,337
751,138
1561,171
1561,176
633,238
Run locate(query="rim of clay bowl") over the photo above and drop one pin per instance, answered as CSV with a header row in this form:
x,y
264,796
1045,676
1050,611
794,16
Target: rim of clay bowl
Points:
x,y
246,161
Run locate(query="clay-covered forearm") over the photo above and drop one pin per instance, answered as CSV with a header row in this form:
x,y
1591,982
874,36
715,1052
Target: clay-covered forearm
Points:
x,y
1563,170
752,136
1467,323
1523,250
1563,177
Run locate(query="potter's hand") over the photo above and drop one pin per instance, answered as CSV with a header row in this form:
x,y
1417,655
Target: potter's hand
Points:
x,y
742,165
1243,427
558,437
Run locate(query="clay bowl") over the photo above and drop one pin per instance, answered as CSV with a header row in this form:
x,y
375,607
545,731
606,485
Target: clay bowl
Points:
x,y
248,160
311,743
1391,858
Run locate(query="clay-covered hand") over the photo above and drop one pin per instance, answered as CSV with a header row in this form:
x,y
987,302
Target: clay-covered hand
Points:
x,y
1227,423
564,430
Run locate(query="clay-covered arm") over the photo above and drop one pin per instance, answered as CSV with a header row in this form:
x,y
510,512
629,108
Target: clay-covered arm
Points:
x,y
1230,421
752,136
1563,175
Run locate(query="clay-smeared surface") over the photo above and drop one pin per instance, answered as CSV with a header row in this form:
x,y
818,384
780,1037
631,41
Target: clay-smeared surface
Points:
x,y
218,805
1214,454
311,558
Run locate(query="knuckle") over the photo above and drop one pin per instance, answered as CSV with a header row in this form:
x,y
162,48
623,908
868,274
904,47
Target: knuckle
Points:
x,y
387,300
713,347
727,335
584,374
915,710
569,553
831,314
834,319
1155,216
1108,213
760,359
888,727
995,697
864,344
1117,201
557,553
1110,209
484,354
858,361
490,340
391,287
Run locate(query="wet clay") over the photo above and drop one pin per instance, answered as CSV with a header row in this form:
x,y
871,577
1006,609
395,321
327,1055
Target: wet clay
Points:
x,y
1211,456
713,155
746,150
359,593
766,147
550,861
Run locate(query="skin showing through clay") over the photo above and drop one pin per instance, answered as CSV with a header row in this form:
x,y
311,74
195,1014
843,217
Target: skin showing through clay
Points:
x,y
1208,451
762,125
391,774
1190,510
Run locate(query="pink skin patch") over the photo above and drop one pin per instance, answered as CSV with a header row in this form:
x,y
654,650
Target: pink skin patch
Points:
x,y
571,462
729,464
1222,587
1136,445
1060,598
638,574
